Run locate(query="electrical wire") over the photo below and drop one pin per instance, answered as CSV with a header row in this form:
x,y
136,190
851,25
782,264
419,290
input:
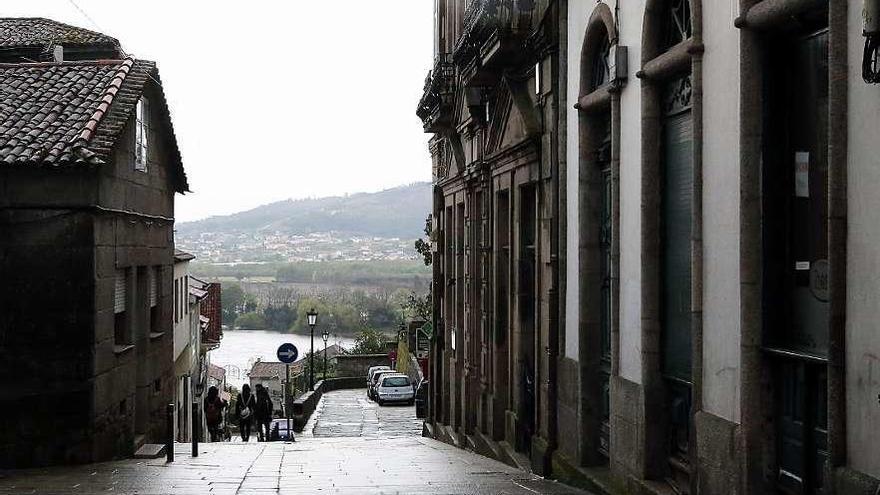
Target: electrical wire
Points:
x,y
100,29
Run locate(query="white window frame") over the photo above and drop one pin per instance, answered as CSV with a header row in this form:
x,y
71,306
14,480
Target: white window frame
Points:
x,y
142,134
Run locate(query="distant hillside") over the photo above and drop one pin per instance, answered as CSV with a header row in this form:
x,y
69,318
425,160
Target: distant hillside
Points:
x,y
397,212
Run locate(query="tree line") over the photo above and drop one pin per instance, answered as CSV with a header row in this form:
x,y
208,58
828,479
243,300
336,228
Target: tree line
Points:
x,y
344,313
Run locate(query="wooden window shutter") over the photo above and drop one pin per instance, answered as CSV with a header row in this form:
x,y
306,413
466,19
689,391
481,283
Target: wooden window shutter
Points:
x,y
119,294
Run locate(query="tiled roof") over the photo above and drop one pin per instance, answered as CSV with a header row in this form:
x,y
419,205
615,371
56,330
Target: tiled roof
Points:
x,y
216,372
180,255
31,31
267,369
72,113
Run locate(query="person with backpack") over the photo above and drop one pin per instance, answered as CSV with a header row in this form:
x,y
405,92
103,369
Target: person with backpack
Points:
x,y
263,413
245,404
214,407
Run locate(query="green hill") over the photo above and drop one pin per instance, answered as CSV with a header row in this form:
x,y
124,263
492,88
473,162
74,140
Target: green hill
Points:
x,y
395,212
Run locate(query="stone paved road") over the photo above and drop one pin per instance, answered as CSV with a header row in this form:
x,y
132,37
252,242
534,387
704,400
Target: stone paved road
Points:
x,y
383,459
349,413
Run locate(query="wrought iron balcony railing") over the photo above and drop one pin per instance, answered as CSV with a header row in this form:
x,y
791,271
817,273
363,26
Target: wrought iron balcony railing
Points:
x,y
484,19
436,101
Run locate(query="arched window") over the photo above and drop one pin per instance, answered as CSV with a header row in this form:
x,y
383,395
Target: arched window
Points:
x,y
677,23
601,73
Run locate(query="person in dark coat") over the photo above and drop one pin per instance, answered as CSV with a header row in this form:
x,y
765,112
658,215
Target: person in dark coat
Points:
x,y
263,413
214,407
245,405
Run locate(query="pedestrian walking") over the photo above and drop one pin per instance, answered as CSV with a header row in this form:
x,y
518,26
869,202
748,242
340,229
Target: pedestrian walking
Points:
x,y
263,413
244,411
214,407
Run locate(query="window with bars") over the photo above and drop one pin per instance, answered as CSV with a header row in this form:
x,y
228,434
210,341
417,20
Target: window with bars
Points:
x,y
121,334
142,134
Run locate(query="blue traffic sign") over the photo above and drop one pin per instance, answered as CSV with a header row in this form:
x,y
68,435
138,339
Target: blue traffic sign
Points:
x,y
287,353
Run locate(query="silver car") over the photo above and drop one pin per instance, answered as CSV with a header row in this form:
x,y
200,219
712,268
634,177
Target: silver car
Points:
x,y
394,388
377,376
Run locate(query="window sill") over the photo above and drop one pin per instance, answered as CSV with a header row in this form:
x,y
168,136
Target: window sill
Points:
x,y
122,349
156,335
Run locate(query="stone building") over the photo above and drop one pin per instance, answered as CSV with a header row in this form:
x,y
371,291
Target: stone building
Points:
x,y
491,101
89,166
272,375
190,351
715,331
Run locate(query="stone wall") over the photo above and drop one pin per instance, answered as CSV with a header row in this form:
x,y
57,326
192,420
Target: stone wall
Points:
x,y
305,404
358,364
45,334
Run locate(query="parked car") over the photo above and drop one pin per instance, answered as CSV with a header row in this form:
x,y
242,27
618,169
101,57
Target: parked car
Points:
x,y
377,375
278,430
394,387
370,372
422,399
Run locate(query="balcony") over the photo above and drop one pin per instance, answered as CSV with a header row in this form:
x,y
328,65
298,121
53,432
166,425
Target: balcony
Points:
x,y
435,107
492,38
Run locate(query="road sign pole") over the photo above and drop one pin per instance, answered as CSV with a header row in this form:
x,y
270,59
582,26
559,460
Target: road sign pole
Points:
x,y
287,405
287,353
195,429
169,435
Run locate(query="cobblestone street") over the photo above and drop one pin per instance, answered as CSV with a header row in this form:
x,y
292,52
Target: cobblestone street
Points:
x,y
351,445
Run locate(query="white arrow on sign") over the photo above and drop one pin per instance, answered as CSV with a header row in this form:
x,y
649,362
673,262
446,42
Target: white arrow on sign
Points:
x,y
288,353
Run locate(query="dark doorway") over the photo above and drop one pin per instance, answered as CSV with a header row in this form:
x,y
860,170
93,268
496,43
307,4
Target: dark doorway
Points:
x,y
458,344
795,249
676,227
502,312
527,302
603,166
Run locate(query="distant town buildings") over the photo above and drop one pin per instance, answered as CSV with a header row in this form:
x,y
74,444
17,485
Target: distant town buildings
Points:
x,y
243,248
89,166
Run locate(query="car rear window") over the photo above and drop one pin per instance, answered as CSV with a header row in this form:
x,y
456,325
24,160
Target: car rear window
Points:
x,y
396,381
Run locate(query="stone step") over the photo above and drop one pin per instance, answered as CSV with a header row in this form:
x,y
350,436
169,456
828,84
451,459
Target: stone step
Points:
x,y
150,451
514,458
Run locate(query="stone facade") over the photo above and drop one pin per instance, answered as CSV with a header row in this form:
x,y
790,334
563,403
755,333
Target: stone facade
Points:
x,y
86,256
703,262
492,103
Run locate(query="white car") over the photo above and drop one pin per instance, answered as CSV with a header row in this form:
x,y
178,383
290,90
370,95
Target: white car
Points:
x,y
371,372
395,388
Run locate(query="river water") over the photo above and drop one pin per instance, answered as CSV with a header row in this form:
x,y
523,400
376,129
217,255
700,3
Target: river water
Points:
x,y
239,349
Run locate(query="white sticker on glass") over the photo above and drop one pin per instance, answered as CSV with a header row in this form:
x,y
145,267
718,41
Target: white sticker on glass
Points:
x,y
802,174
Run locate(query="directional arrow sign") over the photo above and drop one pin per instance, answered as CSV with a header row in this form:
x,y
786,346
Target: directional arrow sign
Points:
x,y
287,353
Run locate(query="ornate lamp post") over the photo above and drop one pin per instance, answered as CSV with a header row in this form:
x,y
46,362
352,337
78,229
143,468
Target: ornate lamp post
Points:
x,y
325,335
313,319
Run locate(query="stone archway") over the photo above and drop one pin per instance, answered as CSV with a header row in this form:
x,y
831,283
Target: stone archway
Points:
x,y
671,236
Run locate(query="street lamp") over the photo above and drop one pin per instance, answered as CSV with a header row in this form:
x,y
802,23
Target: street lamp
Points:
x,y
325,335
313,319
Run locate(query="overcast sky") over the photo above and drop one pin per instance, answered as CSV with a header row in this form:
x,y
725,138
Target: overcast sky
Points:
x,y
276,99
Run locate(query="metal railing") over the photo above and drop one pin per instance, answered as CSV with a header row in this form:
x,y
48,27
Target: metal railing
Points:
x,y
439,83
